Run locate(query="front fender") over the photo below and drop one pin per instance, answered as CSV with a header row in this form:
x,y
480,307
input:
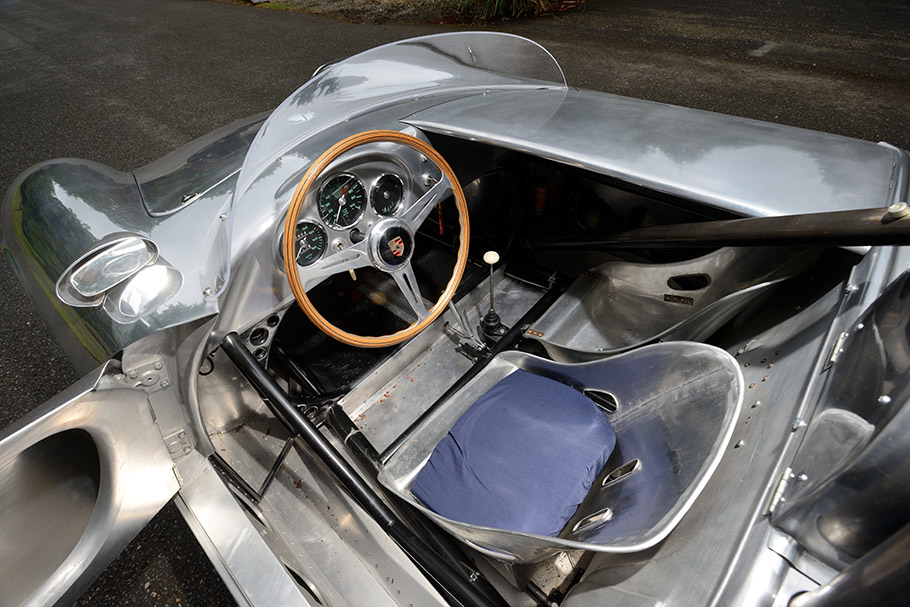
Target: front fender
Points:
x,y
59,212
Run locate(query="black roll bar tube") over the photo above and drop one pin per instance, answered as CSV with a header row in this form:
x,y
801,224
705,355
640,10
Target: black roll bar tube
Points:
x,y
296,422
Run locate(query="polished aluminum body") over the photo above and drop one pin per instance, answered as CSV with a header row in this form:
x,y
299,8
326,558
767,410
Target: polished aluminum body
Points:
x,y
747,167
822,382
619,305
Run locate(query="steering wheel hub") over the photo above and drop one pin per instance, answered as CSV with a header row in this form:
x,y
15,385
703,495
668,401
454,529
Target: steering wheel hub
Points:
x,y
391,245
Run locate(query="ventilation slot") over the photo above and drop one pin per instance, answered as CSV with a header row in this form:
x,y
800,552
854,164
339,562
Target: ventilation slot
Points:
x,y
604,400
689,282
624,471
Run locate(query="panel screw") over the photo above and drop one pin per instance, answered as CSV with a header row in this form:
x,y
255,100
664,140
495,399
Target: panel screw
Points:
x,y
797,424
860,326
158,365
207,291
898,210
223,216
187,449
181,435
165,383
884,399
850,288
134,374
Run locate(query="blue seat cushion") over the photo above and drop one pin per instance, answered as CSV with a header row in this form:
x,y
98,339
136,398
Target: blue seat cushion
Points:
x,y
522,457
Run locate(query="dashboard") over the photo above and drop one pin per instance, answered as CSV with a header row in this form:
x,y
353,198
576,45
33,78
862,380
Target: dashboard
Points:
x,y
369,184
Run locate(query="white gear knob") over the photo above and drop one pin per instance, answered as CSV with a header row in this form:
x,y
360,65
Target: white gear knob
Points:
x,y
491,257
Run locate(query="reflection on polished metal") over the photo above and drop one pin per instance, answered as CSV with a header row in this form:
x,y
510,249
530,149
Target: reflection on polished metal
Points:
x,y
879,578
81,476
428,66
676,422
622,305
854,455
747,167
72,207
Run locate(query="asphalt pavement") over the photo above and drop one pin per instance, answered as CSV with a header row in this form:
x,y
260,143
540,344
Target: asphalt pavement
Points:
x,y
123,83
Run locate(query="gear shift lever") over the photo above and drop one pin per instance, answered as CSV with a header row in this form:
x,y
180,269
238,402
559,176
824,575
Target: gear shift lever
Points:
x,y
491,326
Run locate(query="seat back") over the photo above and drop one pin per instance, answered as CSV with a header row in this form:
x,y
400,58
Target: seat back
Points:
x,y
675,408
622,305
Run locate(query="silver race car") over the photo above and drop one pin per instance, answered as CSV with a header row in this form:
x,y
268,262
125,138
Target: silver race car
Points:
x,y
442,330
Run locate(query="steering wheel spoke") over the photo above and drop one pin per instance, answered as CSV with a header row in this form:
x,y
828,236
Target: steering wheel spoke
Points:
x,y
350,258
417,212
407,282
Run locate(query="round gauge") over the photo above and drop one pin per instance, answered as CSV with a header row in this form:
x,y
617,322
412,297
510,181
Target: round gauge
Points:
x,y
342,200
309,242
386,195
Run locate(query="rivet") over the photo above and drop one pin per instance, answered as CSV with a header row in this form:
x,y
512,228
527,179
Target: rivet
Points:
x,y
187,449
134,374
223,216
797,424
207,291
741,443
165,383
860,326
181,435
884,399
850,288
158,365
803,477
757,404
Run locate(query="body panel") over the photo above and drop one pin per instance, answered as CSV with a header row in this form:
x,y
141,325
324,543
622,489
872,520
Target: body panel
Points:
x,y
79,477
747,167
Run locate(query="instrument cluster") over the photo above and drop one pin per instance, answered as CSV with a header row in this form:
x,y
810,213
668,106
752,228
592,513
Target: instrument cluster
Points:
x,y
342,202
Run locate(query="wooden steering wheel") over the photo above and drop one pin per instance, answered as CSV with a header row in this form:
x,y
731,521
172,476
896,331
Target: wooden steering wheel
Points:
x,y
388,243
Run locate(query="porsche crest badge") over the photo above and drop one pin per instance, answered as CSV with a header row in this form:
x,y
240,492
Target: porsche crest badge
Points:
x,y
396,245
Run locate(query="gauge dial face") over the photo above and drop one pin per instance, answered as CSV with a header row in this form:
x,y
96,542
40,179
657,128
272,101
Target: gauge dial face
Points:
x,y
342,201
309,243
386,195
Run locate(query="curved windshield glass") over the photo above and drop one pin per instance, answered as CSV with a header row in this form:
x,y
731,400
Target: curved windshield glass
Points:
x,y
419,66
385,77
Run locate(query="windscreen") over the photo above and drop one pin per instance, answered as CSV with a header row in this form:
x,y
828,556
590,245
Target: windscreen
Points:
x,y
385,74
423,67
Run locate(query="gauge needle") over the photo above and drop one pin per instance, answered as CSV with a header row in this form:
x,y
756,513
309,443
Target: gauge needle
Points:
x,y
341,203
304,248
342,200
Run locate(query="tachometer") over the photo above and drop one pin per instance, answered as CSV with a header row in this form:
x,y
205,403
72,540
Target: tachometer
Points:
x,y
342,201
386,195
309,242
